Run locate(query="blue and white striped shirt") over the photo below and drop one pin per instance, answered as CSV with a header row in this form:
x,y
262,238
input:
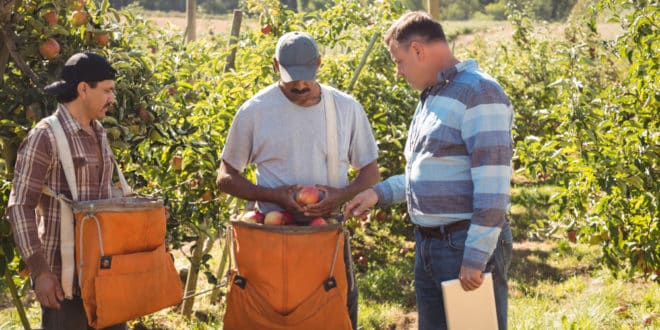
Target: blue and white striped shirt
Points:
x,y
458,159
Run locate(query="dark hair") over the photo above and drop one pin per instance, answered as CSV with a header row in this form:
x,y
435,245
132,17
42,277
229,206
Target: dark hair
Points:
x,y
414,24
72,93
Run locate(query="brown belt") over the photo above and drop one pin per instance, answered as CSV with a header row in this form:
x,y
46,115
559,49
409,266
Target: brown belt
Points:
x,y
442,232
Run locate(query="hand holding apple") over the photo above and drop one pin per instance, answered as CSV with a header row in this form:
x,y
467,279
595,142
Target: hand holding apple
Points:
x,y
308,195
331,201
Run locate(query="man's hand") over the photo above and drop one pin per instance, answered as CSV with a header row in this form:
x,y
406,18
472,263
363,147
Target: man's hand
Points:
x,y
283,196
471,278
48,290
360,204
333,198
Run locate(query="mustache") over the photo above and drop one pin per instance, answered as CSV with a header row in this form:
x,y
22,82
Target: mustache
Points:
x,y
300,91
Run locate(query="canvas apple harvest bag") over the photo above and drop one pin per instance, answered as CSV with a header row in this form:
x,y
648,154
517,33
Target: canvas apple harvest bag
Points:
x,y
121,262
286,277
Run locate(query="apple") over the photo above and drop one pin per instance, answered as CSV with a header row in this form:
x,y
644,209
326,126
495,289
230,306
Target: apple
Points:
x,y
145,115
308,195
572,236
266,28
177,162
274,218
102,38
362,260
171,91
79,18
50,17
49,48
253,217
288,218
380,215
318,221
207,195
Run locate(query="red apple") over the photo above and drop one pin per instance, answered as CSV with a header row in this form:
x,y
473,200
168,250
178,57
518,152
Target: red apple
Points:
x,y
288,218
318,222
177,162
274,218
266,29
79,18
51,17
380,215
49,48
362,260
308,195
253,217
102,38
572,236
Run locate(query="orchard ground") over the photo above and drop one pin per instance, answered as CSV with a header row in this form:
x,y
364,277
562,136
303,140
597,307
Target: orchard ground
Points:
x,y
555,284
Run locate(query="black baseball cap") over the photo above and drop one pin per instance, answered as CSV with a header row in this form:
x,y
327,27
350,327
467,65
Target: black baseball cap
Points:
x,y
81,67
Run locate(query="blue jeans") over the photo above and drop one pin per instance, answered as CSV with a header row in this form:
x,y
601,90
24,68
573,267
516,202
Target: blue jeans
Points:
x,y
438,260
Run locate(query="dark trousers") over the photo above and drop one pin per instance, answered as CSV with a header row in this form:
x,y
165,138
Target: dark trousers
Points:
x,y
70,316
352,297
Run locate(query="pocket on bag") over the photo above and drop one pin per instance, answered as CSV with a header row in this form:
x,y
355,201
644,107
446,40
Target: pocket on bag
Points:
x,y
132,285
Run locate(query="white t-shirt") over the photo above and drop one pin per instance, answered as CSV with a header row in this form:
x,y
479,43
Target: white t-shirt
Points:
x,y
287,142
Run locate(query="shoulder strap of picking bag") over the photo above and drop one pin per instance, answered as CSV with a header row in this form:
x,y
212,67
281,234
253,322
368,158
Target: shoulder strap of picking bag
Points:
x,y
66,213
331,135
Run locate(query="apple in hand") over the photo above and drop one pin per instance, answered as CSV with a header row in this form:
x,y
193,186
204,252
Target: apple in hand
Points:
x,y
308,195
253,217
274,218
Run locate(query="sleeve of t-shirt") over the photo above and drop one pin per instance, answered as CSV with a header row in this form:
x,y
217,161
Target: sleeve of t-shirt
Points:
x,y
363,149
238,146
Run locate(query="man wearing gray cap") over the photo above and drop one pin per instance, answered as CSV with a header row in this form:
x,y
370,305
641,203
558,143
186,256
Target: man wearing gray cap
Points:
x,y
282,130
84,94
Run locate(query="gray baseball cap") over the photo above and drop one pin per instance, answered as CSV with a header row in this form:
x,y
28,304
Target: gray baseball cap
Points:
x,y
298,56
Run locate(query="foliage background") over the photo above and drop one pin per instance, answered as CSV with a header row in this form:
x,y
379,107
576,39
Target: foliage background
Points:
x,y
586,119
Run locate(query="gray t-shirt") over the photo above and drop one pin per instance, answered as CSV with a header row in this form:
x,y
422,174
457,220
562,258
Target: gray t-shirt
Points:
x,y
287,142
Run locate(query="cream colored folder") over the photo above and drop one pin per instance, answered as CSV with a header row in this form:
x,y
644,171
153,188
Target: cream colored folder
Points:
x,y
470,310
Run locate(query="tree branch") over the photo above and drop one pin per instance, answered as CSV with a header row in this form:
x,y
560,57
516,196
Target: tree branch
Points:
x,y
10,44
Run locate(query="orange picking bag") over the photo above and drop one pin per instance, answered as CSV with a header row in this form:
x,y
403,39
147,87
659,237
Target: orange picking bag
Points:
x,y
123,269
287,277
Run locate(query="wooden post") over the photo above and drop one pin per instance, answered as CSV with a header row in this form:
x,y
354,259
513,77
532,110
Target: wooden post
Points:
x,y
433,7
363,61
233,39
191,28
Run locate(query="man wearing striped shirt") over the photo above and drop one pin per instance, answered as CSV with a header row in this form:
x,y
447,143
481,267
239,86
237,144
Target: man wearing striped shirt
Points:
x,y
458,169
84,94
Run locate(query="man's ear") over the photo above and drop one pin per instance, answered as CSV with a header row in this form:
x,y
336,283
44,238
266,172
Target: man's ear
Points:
x,y
417,49
82,88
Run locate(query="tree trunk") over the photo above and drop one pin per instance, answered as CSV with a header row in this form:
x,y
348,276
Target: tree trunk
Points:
x,y
220,273
233,39
433,7
191,28
193,274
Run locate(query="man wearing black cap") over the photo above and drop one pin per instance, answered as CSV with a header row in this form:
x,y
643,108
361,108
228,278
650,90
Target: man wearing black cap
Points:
x,y
84,94
282,130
